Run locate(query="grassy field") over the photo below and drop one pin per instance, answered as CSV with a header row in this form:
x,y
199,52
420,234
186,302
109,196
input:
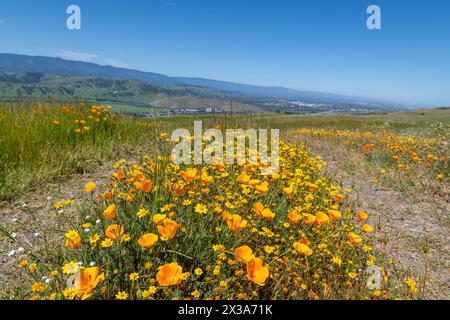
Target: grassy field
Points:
x,y
90,193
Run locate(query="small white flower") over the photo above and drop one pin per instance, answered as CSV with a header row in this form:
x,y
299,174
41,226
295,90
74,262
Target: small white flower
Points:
x,y
44,277
91,264
87,217
47,280
14,220
21,249
87,230
60,211
37,234
98,221
13,235
80,263
11,253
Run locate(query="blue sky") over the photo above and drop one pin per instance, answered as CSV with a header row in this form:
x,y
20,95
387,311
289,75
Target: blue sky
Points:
x,y
308,45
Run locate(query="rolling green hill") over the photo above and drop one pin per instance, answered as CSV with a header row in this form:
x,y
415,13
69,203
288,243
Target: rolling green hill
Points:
x,y
129,93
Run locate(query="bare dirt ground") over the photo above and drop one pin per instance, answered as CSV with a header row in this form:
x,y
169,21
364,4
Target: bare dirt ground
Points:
x,y
34,216
414,225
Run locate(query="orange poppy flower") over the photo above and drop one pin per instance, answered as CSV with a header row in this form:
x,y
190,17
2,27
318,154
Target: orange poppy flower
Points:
x,y
302,248
339,197
310,219
87,281
268,214
189,175
243,177
294,216
288,190
334,215
361,216
159,218
145,186
257,271
114,231
148,240
169,274
354,238
258,207
90,186
110,212
168,230
236,223
262,188
243,254
321,218
367,228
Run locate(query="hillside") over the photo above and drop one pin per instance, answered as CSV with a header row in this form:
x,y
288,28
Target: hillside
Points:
x,y
33,83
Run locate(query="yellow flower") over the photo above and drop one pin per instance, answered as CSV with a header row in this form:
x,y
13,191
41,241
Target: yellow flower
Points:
x,y
93,239
121,295
268,214
134,276
289,190
23,263
107,243
198,271
142,213
70,267
149,292
158,218
200,208
195,294
337,260
218,247
90,186
73,239
37,287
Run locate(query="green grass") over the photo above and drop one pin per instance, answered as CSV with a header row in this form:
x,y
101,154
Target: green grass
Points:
x,y
34,150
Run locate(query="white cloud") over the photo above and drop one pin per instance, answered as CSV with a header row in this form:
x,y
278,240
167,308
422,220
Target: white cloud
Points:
x,y
87,57
168,3
114,63
78,56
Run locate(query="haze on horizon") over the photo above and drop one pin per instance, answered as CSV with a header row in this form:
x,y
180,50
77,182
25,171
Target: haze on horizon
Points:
x,y
322,46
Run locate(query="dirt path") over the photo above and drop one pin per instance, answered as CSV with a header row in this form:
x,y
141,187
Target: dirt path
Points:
x,y
411,224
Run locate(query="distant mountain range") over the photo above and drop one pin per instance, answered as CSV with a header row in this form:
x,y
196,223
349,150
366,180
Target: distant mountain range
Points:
x,y
38,77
